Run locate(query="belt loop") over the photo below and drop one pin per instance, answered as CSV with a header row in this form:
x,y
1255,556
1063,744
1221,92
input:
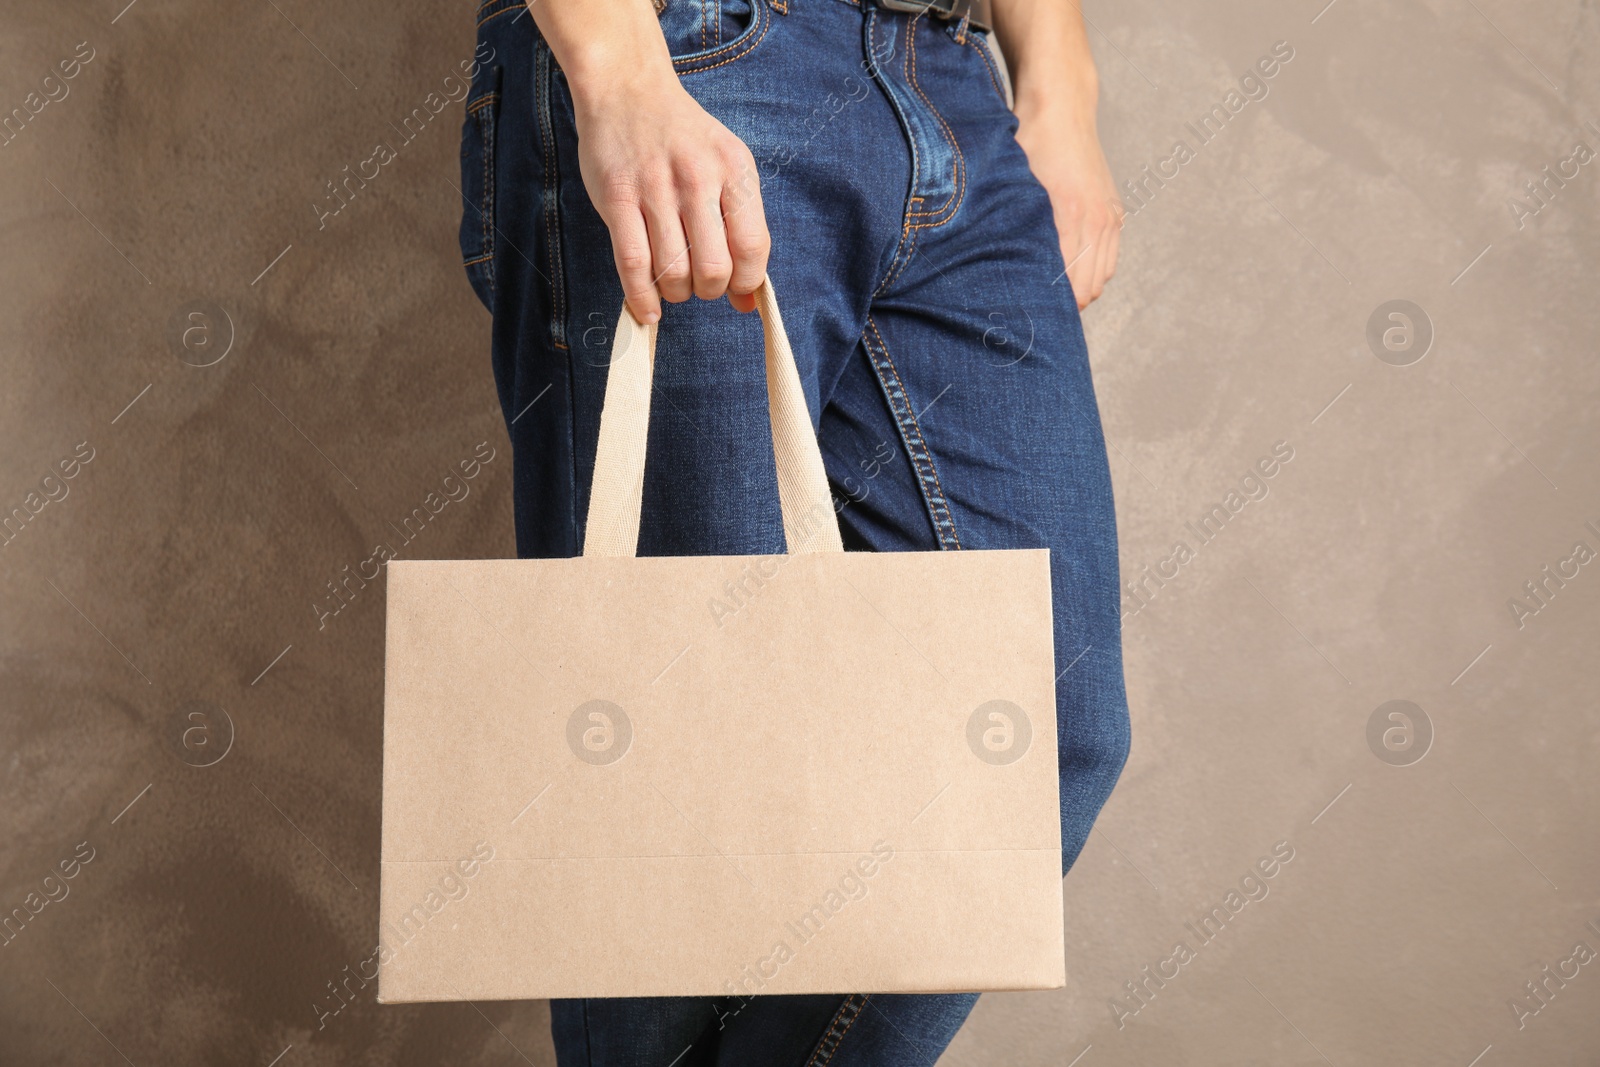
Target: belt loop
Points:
x,y
780,6
961,29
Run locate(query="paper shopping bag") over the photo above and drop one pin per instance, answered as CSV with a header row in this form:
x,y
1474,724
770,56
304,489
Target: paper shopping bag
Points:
x,y
815,772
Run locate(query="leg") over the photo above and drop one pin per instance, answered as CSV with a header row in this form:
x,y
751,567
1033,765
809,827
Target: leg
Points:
x,y
638,1032
967,417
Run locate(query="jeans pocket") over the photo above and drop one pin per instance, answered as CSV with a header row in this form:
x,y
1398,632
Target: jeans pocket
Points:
x,y
702,34
980,44
478,186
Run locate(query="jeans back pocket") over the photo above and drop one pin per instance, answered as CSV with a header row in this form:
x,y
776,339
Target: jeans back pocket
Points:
x,y
478,185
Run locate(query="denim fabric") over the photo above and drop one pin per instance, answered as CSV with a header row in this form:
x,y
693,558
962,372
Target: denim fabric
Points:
x,y
922,283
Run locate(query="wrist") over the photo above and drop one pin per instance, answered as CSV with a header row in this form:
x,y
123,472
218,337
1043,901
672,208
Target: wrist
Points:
x,y
1059,101
605,70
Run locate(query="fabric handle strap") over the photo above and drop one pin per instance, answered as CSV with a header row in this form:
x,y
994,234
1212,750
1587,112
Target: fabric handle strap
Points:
x,y
612,528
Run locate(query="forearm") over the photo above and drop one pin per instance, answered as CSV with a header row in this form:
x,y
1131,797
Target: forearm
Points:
x,y
1047,55
605,47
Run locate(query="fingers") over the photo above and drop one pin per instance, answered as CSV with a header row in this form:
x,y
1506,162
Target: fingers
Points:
x,y
1097,283
1112,241
708,233
669,250
1080,267
710,263
630,244
1091,243
749,243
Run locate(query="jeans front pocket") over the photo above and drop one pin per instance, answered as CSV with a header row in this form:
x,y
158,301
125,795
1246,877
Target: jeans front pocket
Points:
x,y
478,185
706,34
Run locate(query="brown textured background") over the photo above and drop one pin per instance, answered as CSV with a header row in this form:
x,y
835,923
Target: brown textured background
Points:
x,y
187,556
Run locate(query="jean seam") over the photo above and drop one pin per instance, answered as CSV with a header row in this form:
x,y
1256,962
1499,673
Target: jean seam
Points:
x,y
899,401
975,42
903,252
824,1049
958,165
550,194
502,6
740,46
486,125
907,242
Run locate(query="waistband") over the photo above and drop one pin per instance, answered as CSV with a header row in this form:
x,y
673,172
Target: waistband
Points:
x,y
979,14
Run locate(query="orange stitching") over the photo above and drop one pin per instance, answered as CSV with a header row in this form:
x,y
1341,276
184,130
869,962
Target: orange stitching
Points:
x,y
922,442
908,250
482,102
832,1023
488,194
480,259
761,17
730,59
552,223
859,1012
958,165
497,14
988,61
902,249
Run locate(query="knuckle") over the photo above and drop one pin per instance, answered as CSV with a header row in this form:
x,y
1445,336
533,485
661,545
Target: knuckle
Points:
x,y
633,260
715,273
696,172
620,188
751,245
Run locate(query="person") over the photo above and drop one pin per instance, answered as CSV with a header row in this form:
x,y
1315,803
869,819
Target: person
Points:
x,y
931,245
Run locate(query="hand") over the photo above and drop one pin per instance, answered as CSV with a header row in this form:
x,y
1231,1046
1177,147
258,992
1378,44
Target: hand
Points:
x,y
1065,155
678,191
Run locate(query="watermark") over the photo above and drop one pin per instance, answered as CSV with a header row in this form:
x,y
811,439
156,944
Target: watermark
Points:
x,y
1541,589
799,931
752,577
202,733
857,490
52,90
347,585
393,937
1543,989
999,732
53,489
744,587
599,732
1253,888
1254,85
1399,332
853,88
1542,191
1253,487
1399,733
53,889
200,333
343,188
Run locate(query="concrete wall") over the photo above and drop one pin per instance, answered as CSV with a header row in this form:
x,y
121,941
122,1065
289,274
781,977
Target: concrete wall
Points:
x,y
1439,859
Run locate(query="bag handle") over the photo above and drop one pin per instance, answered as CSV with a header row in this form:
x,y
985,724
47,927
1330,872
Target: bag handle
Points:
x,y
612,528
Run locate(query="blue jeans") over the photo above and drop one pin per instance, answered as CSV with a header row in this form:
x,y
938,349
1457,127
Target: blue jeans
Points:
x,y
922,283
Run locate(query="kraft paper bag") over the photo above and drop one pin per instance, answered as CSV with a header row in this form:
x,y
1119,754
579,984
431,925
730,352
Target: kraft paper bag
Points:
x,y
816,772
